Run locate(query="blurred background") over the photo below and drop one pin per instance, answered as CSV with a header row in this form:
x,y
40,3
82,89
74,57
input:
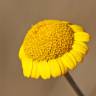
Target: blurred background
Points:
x,y
16,16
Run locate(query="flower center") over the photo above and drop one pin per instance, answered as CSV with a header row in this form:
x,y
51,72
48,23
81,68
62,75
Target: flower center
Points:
x,y
48,40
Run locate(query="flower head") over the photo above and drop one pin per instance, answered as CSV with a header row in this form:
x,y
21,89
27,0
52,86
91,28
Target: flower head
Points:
x,y
51,48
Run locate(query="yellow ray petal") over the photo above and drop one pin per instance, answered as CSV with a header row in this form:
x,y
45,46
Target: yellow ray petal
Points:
x,y
80,46
69,61
77,55
51,21
84,45
35,72
27,66
21,52
65,22
76,28
72,58
44,70
81,36
54,68
61,65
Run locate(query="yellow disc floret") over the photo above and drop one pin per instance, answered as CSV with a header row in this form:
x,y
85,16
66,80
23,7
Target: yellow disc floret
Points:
x,y
48,40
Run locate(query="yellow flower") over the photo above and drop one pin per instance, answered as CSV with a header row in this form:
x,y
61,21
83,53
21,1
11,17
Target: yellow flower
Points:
x,y
51,48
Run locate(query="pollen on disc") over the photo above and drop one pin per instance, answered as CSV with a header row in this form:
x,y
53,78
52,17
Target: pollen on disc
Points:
x,y
48,40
